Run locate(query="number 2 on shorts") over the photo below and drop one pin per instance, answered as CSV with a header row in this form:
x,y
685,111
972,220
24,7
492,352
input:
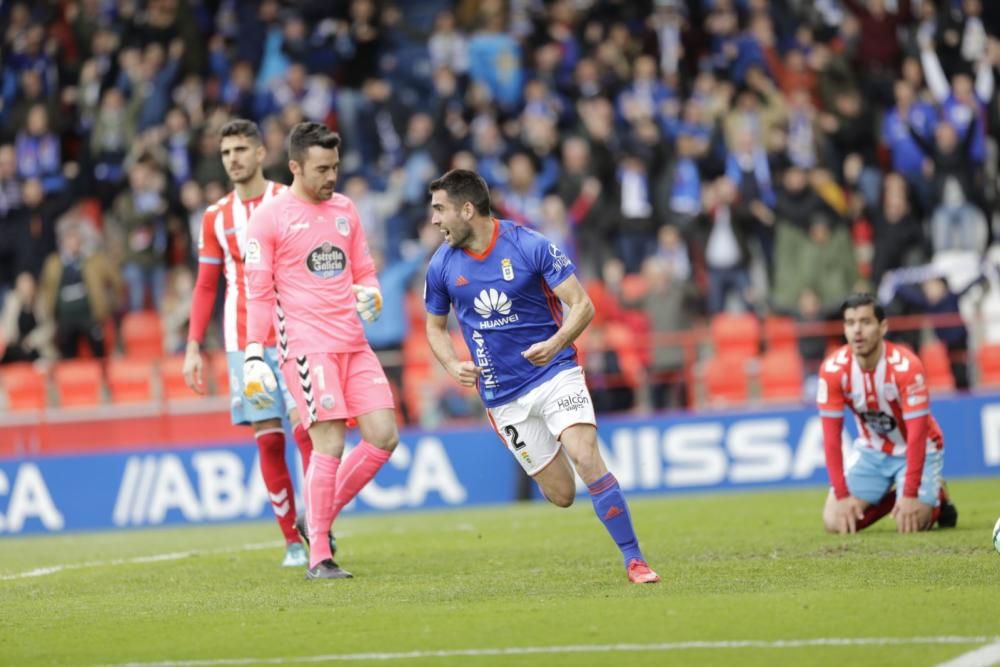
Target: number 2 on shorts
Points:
x,y
513,435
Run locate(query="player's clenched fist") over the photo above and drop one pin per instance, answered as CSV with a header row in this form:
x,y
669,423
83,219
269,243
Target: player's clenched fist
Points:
x,y
466,372
369,302
258,378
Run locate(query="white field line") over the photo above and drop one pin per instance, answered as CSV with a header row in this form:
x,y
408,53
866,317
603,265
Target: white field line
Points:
x,y
579,648
987,656
155,558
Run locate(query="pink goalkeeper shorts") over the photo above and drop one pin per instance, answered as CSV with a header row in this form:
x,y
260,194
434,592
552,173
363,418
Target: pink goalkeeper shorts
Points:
x,y
337,385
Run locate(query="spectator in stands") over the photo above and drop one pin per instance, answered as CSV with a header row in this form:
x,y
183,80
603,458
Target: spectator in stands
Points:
x,y
747,168
175,309
520,199
556,226
819,258
194,204
10,185
136,234
879,51
24,333
635,237
910,113
955,223
448,47
726,250
685,180
32,92
934,296
375,207
113,134
899,236
39,154
669,306
33,225
495,59
673,252
77,290
809,311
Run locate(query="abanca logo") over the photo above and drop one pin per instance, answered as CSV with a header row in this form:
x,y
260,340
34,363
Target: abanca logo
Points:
x,y
491,301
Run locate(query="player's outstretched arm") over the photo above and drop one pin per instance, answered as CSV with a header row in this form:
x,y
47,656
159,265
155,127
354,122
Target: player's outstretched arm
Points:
x,y
579,315
466,372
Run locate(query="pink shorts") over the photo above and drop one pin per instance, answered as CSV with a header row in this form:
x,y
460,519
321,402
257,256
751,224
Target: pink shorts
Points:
x,y
337,385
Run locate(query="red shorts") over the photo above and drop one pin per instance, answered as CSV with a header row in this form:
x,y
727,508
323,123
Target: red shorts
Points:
x,y
337,385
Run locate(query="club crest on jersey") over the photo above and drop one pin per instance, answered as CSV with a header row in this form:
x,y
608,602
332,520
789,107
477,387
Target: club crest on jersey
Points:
x,y
342,225
507,269
253,252
879,421
326,261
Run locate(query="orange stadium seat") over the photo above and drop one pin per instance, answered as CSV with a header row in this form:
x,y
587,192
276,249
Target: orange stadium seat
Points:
x,y
726,380
623,341
634,287
142,334
130,380
24,386
989,365
172,375
937,366
735,334
79,382
780,334
781,375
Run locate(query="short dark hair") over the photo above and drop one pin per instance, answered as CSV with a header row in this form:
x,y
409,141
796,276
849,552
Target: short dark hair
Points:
x,y
463,186
308,134
859,299
241,128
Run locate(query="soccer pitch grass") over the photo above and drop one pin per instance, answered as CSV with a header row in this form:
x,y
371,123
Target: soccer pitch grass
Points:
x,y
749,579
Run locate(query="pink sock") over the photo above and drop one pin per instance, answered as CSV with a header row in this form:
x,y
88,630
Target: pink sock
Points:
x,y
305,445
321,484
361,465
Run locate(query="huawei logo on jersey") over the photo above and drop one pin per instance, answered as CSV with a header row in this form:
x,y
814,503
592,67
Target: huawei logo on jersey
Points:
x,y
491,301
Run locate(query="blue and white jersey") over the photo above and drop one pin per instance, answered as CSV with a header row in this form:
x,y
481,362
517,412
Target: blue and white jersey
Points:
x,y
504,302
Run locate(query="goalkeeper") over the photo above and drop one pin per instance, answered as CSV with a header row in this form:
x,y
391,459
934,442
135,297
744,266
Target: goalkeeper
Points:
x,y
309,268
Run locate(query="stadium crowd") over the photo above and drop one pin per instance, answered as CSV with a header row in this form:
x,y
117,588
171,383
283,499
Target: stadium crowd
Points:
x,y
694,157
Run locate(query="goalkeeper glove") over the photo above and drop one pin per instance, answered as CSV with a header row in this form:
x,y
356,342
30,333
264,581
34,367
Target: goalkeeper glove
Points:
x,y
258,378
369,302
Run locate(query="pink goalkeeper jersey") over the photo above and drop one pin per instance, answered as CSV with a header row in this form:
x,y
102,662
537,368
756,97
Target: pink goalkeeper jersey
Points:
x,y
301,261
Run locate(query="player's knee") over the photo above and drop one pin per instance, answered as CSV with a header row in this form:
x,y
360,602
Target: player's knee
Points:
x,y
559,497
385,438
389,442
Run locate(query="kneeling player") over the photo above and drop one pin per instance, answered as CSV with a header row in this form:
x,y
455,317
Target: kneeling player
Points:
x,y
899,443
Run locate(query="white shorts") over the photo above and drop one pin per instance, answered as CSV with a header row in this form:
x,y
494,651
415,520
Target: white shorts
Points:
x,y
531,425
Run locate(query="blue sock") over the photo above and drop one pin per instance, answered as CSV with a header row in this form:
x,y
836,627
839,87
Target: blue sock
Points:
x,y
612,510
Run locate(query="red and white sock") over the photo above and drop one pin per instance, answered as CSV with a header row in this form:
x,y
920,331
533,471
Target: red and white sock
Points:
x,y
321,484
878,510
274,470
359,468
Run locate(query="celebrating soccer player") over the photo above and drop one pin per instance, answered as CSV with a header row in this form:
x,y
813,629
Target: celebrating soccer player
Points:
x,y
309,268
221,245
507,284
899,442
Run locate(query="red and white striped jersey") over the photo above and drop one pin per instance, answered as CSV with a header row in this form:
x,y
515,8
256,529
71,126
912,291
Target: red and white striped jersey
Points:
x,y
223,241
881,399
